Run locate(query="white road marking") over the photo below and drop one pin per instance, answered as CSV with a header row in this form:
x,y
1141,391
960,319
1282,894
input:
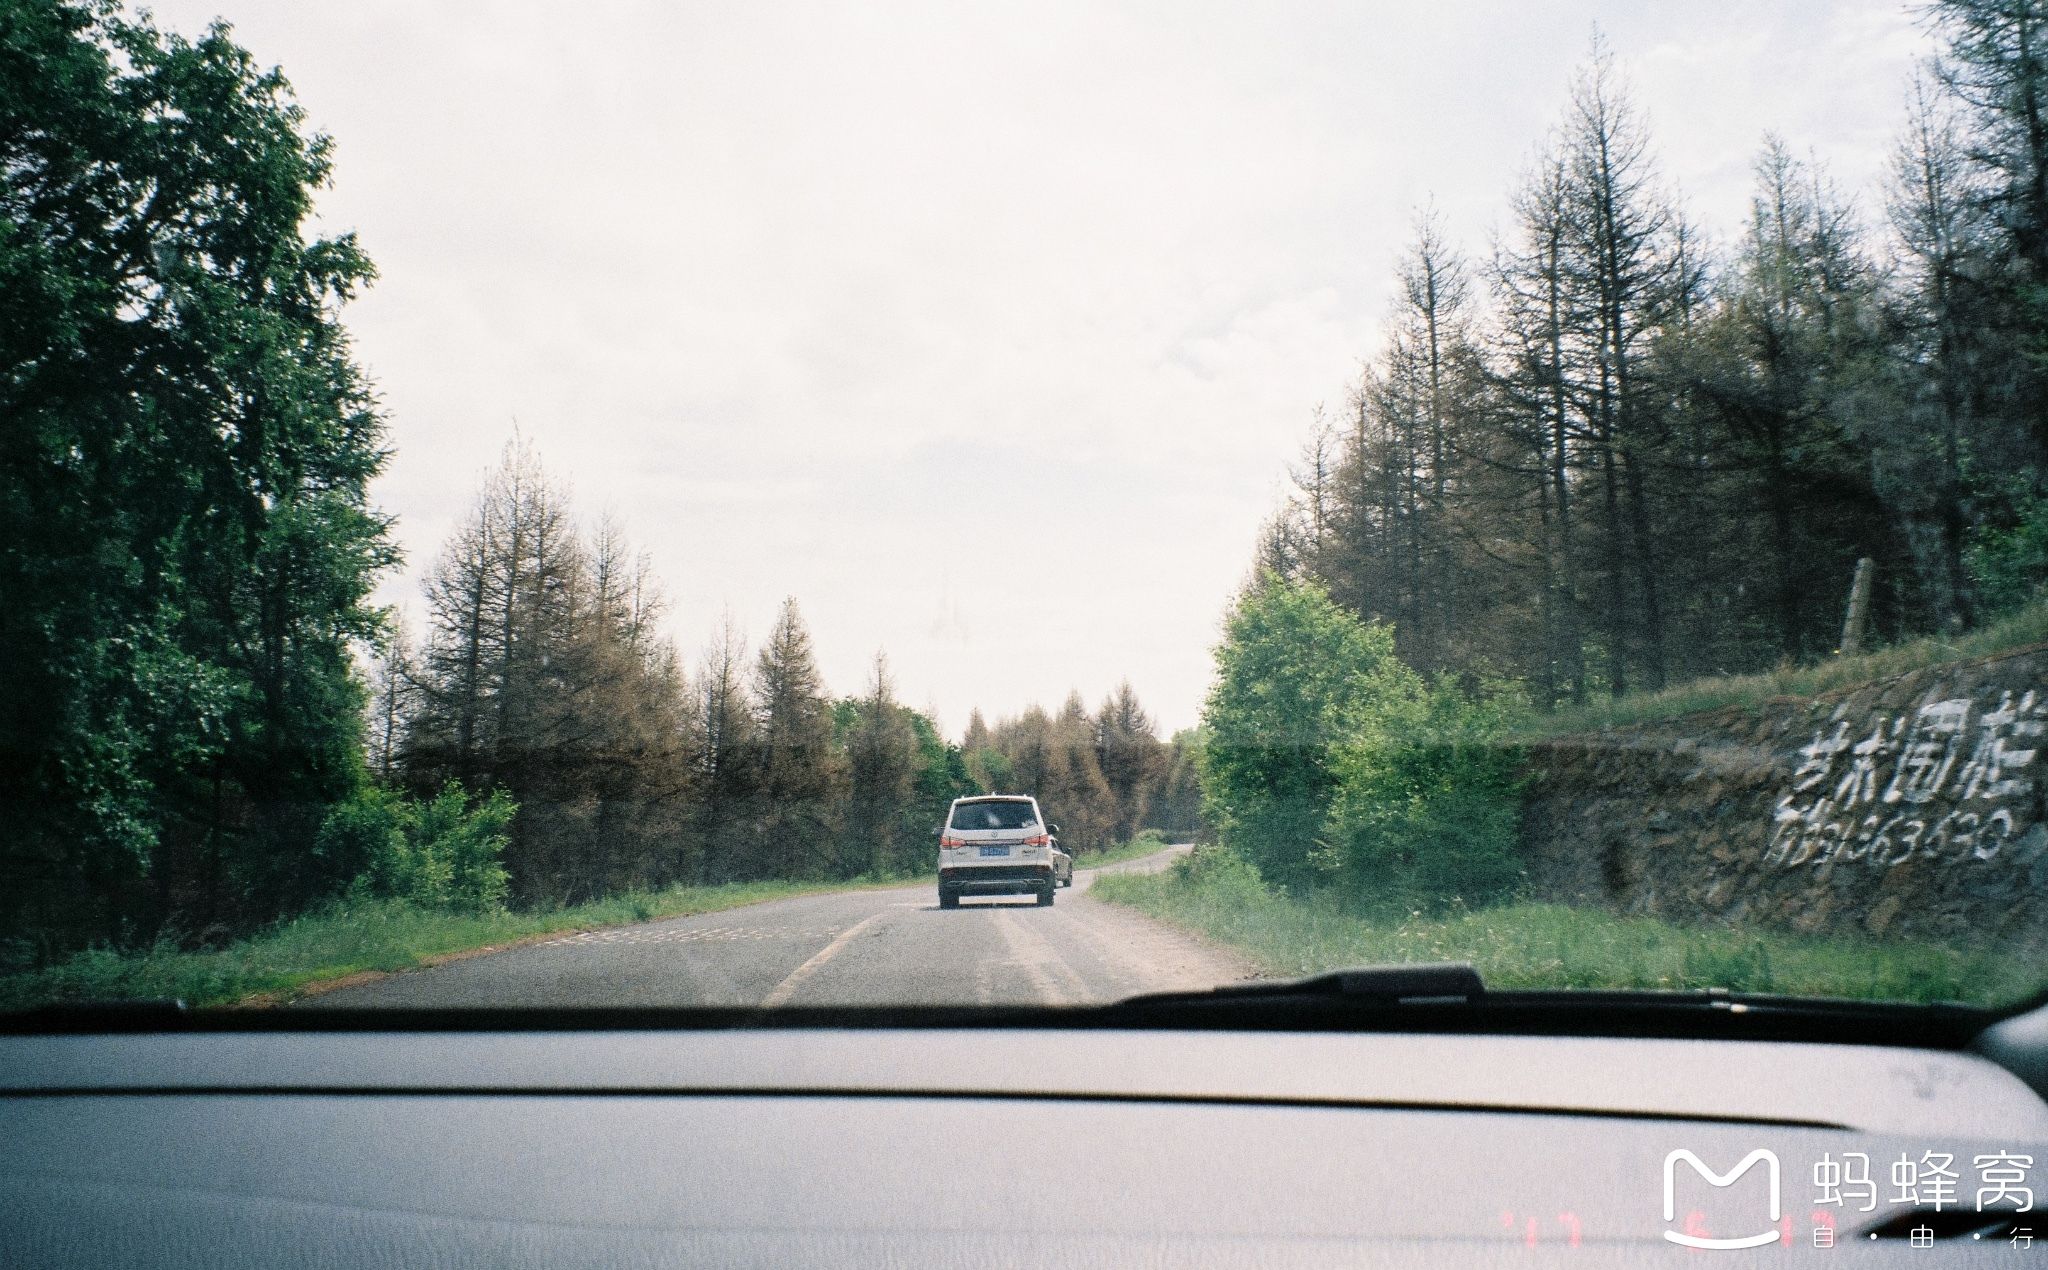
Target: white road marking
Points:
x,y
783,991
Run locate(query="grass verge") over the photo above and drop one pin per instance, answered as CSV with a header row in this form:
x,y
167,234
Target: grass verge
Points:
x,y
346,939
2024,629
1151,842
1553,946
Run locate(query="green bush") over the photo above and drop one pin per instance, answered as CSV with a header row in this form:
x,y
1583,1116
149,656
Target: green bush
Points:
x,y
363,838
1331,766
1428,818
436,853
461,846
1298,679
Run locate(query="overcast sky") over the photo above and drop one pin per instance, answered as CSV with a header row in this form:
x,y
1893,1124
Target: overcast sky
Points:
x,y
986,331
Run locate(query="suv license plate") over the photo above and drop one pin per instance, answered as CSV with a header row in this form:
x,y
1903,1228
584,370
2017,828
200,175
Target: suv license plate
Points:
x,y
995,851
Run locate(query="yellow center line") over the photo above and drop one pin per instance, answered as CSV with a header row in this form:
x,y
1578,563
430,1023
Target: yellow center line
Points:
x,y
783,991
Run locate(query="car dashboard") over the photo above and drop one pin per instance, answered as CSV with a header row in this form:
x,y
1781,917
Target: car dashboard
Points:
x,y
351,1145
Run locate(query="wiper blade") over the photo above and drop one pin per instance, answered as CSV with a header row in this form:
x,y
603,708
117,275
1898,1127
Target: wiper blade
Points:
x,y
1427,983
1451,997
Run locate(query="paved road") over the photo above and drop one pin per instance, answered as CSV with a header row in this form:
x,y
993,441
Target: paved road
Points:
x,y
886,947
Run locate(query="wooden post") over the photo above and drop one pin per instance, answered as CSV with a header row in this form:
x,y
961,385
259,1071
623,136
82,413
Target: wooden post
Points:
x,y
1858,617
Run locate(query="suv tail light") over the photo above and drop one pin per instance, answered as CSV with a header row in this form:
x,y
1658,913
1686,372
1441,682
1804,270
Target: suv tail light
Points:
x,y
948,841
1042,840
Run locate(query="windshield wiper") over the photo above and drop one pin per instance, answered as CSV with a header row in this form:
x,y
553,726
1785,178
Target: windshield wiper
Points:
x,y
1428,983
1451,997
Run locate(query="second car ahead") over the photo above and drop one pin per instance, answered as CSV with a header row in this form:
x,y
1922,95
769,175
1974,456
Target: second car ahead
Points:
x,y
999,845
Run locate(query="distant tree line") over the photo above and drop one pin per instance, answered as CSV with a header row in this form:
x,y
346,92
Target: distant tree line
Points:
x,y
1105,776
542,675
1605,455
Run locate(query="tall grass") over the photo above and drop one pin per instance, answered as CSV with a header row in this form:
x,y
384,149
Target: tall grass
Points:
x,y
2024,629
1527,945
1148,842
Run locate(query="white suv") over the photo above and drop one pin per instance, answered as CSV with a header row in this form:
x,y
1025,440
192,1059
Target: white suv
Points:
x,y
997,845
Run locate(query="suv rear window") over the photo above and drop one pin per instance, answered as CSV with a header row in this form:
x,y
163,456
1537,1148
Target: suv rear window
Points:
x,y
994,815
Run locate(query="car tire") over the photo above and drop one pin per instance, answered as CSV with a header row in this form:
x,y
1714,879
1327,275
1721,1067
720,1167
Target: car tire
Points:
x,y
1045,895
948,899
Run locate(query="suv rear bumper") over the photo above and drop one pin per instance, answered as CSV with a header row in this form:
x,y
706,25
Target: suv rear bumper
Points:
x,y
996,879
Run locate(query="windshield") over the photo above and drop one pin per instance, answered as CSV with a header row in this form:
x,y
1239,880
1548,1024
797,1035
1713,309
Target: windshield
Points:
x,y
994,815
1564,491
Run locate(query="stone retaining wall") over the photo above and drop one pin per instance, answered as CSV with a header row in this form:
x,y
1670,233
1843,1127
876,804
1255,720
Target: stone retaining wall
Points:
x,y
1908,806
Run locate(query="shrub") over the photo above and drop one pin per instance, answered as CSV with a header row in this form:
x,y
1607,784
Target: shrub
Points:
x,y
363,841
1428,818
1330,764
436,853
459,847
1298,678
